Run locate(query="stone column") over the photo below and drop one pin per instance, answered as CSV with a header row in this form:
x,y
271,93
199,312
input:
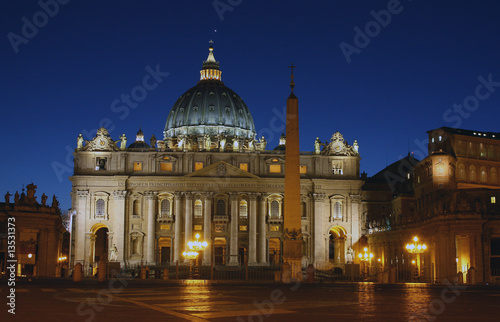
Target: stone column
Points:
x,y
207,228
81,247
119,221
319,235
188,229
150,241
178,227
252,230
262,229
233,249
355,213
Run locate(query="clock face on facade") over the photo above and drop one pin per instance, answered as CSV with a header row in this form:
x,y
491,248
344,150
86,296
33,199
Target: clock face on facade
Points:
x,y
337,147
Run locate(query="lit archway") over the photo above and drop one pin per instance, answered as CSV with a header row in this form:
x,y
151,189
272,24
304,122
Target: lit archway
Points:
x,y
336,245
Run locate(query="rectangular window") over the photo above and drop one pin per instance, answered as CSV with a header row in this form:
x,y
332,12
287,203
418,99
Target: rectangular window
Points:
x,y
219,228
244,166
100,163
198,166
275,168
303,169
493,199
243,228
137,166
165,227
275,228
166,166
198,227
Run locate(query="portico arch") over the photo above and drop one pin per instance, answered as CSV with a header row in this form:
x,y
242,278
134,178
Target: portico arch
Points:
x,y
336,245
98,243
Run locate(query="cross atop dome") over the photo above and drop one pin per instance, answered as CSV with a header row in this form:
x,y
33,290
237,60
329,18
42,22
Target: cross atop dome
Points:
x,y
210,70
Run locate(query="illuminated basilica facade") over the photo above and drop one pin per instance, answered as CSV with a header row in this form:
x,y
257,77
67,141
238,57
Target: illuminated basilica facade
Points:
x,y
211,176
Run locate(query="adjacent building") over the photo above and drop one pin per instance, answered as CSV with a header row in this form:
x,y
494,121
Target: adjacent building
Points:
x,y
449,201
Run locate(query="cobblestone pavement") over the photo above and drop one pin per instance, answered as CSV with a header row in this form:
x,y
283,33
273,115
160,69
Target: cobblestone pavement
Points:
x,y
135,300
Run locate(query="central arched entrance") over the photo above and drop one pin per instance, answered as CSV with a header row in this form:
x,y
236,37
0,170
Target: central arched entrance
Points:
x,y
98,245
336,245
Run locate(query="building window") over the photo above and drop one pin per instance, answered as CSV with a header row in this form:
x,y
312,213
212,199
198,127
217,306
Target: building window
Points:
x,y
100,163
243,209
243,228
338,167
137,208
198,204
221,208
198,227
337,210
493,199
275,168
198,166
275,228
137,166
275,209
303,169
303,210
99,208
165,208
166,166
165,227
244,166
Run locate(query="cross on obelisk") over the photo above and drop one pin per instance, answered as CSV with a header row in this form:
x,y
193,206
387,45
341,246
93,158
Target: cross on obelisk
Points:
x,y
292,83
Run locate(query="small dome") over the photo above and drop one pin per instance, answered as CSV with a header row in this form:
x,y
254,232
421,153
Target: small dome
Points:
x,y
139,143
282,143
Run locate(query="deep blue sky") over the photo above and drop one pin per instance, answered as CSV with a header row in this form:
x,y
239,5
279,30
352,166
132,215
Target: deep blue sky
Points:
x,y
63,80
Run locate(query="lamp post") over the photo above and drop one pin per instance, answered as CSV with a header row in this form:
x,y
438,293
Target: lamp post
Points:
x,y
416,248
194,247
365,257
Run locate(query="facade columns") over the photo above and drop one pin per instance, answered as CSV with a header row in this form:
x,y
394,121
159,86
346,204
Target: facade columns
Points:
x,y
207,228
119,217
319,236
178,226
150,242
262,229
81,247
188,228
252,231
233,249
355,209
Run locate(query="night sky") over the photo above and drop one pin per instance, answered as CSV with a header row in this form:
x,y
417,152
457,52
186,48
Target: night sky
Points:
x,y
384,89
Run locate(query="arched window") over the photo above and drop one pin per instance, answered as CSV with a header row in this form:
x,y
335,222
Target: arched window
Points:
x,y
99,207
472,172
303,210
337,210
483,177
243,209
275,209
493,176
137,208
461,172
221,208
198,205
165,208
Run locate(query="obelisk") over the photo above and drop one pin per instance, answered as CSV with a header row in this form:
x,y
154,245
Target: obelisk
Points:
x,y
292,235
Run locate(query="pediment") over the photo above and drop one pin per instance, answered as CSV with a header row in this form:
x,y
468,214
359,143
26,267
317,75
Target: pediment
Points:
x,y
222,169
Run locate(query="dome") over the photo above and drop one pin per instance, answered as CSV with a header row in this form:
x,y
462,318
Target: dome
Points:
x,y
139,144
210,108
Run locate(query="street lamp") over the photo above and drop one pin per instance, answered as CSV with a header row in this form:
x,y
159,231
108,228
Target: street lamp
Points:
x,y
365,257
192,254
416,248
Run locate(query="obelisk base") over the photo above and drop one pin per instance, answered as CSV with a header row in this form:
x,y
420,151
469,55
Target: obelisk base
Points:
x,y
292,261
